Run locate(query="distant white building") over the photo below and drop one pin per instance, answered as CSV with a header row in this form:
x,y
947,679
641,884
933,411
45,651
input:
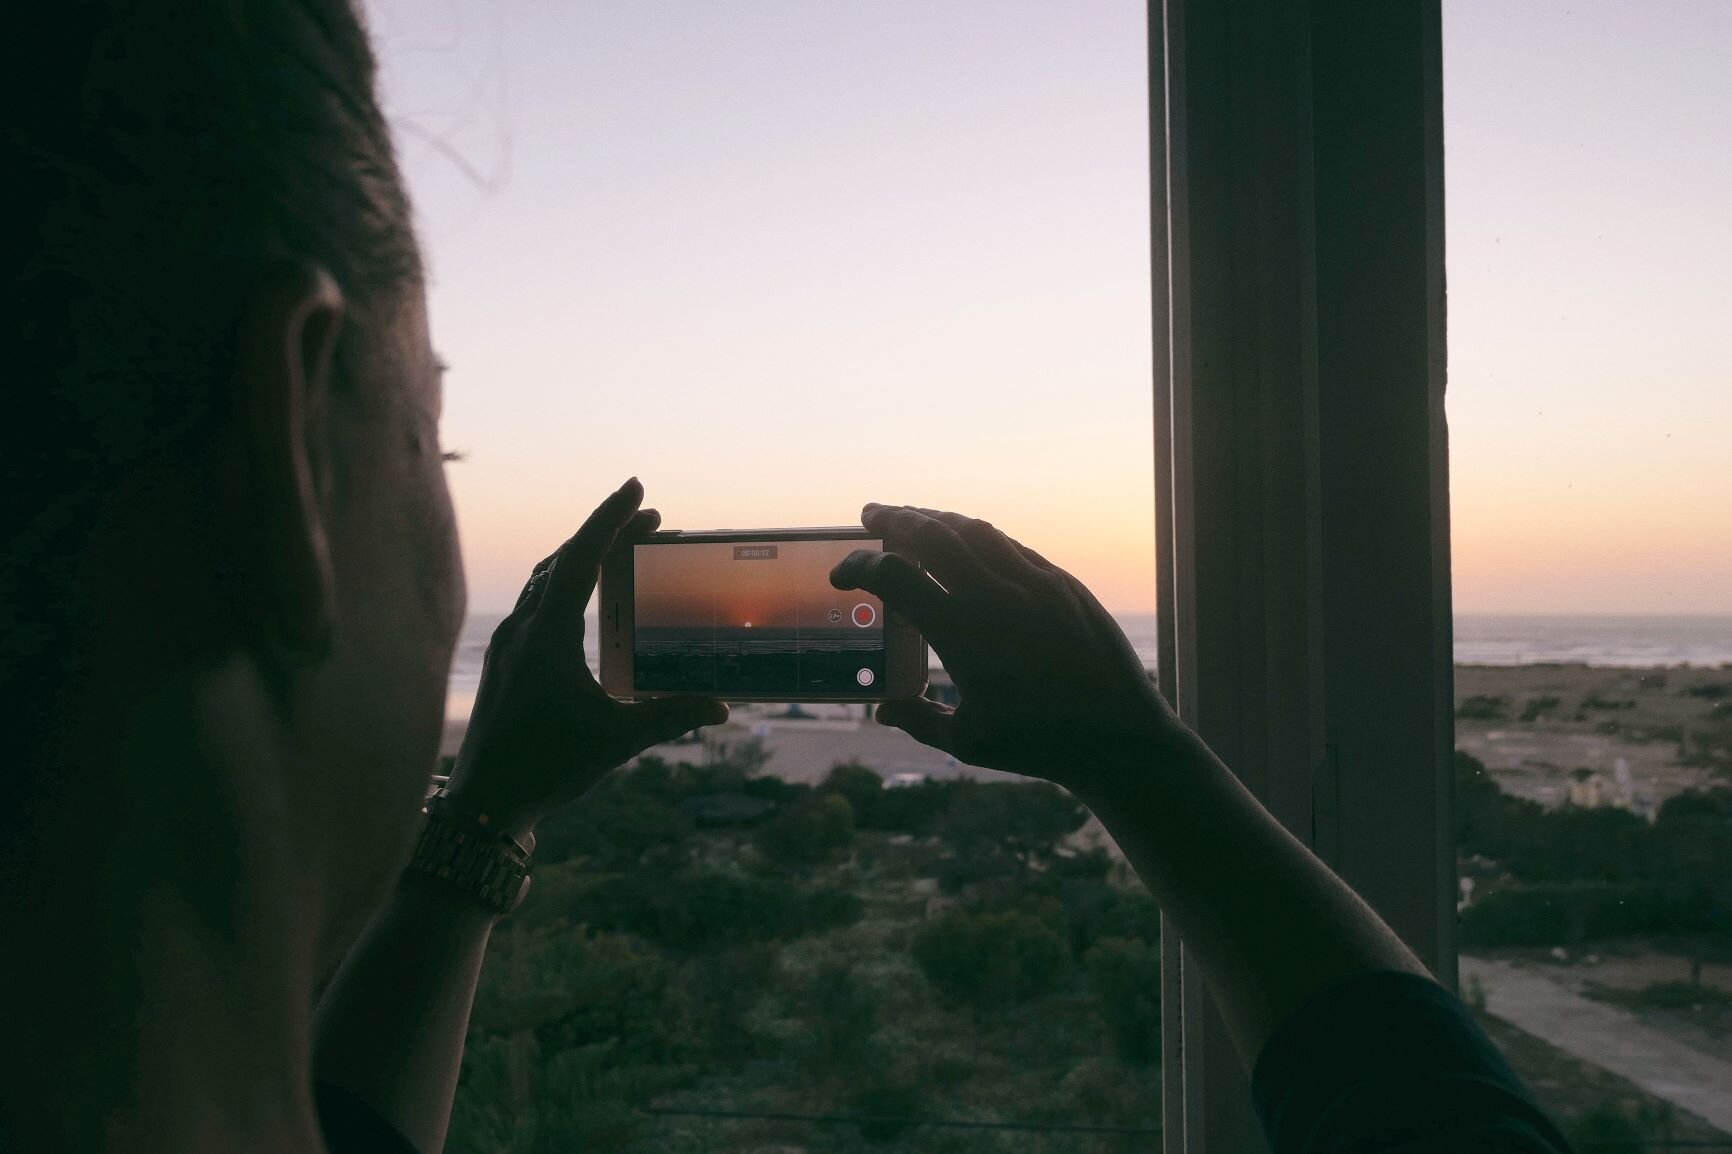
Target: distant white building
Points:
x,y
1589,789
1585,789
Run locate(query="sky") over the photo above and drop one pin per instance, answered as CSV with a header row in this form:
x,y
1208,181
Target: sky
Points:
x,y
1589,217
781,258
785,584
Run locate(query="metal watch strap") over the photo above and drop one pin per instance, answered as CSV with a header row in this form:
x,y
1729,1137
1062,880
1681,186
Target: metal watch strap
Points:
x,y
463,850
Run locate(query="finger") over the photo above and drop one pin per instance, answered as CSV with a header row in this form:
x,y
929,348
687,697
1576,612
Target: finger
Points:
x,y
532,588
1033,557
664,719
925,721
577,564
642,524
931,542
997,551
897,582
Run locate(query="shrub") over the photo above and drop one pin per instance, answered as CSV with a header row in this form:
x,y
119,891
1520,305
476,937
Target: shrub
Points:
x,y
1607,1130
1488,821
1601,843
1091,865
1553,913
982,868
1107,1093
863,788
840,1013
1537,706
611,828
1695,803
889,1101
718,992
992,958
1483,707
1125,978
1026,820
809,832
696,911
1095,909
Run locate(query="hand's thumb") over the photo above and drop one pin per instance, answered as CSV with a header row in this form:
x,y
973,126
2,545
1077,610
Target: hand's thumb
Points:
x,y
925,721
663,719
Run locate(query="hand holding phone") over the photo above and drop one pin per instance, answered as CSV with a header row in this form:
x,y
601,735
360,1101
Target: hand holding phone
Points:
x,y
751,615
1049,685
542,730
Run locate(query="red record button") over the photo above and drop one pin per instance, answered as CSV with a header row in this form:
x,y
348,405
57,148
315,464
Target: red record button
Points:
x,y
865,616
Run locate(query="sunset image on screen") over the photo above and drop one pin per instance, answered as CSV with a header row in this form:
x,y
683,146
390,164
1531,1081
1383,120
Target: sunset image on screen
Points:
x,y
754,617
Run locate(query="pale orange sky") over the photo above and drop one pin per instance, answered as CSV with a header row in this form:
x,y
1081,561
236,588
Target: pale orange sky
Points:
x,y
780,258
703,583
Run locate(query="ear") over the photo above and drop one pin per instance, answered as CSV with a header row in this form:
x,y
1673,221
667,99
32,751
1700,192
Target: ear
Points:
x,y
282,384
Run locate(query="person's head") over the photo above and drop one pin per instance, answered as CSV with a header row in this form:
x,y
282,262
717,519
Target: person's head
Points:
x,y
228,550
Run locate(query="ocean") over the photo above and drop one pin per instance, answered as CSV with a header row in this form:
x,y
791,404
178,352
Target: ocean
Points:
x,y
1480,639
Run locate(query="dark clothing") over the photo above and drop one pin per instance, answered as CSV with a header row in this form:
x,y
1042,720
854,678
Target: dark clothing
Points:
x,y
1391,1063
1381,1063
352,1127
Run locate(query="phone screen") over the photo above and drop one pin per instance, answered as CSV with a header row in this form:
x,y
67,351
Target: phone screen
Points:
x,y
754,617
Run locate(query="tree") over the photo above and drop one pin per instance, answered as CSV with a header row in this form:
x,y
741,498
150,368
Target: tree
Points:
x,y
1026,820
992,958
703,910
1550,913
809,832
1125,978
863,788
840,1013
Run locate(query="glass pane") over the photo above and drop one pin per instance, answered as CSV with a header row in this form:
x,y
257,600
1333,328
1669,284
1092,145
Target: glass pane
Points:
x,y
778,259
1590,270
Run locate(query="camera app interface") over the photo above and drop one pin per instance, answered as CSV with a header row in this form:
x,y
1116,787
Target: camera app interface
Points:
x,y
753,617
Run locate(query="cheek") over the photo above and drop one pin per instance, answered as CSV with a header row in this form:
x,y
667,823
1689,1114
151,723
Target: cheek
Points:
x,y
445,556
429,564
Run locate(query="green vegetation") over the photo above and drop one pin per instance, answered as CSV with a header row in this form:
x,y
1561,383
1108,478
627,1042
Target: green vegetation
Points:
x,y
1708,741
1483,707
1576,874
1537,707
700,938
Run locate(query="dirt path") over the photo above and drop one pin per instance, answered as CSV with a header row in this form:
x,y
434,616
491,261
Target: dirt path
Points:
x,y
1608,1037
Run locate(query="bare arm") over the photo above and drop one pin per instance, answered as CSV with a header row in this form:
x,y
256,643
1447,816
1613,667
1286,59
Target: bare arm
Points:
x,y
1050,687
390,1028
1268,922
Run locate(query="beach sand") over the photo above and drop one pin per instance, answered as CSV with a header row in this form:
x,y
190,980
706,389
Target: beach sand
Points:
x,y
1604,718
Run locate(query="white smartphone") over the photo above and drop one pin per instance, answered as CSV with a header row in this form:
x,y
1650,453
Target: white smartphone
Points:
x,y
750,615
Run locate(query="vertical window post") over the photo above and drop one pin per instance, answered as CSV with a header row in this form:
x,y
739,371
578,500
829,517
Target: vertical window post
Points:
x,y
1301,468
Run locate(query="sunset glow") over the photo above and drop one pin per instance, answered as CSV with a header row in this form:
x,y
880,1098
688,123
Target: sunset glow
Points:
x,y
779,259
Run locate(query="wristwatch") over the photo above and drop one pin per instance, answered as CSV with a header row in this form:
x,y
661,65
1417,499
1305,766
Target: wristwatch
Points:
x,y
465,849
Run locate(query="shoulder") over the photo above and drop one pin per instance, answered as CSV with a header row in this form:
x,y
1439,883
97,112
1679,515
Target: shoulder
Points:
x,y
1386,1062
350,1126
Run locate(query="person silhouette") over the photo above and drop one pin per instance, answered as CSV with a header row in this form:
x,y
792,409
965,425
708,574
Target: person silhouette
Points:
x,y
230,591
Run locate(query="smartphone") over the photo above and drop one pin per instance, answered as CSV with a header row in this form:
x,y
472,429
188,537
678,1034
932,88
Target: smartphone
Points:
x,y
750,615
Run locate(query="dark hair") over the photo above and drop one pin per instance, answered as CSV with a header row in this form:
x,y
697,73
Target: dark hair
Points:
x,y
157,156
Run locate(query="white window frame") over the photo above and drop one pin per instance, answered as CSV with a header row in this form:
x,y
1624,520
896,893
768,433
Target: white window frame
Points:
x,y
1301,480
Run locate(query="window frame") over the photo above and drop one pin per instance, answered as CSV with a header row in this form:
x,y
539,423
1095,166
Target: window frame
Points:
x,y
1301,461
